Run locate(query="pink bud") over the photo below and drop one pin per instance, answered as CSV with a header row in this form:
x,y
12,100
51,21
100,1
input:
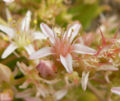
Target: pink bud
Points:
x,y
46,68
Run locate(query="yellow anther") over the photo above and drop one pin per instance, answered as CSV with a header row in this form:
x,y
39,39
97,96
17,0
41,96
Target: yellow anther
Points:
x,y
35,21
28,41
10,20
18,32
5,38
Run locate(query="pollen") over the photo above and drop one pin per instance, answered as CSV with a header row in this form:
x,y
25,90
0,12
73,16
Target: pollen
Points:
x,y
35,21
5,38
10,20
18,32
28,41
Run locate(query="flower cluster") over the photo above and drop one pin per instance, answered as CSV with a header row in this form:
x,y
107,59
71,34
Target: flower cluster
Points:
x,y
53,60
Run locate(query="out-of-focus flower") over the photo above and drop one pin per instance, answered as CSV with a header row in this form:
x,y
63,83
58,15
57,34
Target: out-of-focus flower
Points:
x,y
20,36
63,46
116,90
6,95
8,1
46,68
32,77
84,80
5,73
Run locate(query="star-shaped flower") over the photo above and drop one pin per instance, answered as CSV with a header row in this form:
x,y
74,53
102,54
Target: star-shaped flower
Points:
x,y
20,36
63,47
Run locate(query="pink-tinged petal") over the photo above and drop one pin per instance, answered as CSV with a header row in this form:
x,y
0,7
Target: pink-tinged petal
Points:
x,y
48,32
73,31
60,94
116,90
82,49
84,80
9,31
25,25
30,49
42,53
67,62
32,99
38,36
24,94
9,50
107,67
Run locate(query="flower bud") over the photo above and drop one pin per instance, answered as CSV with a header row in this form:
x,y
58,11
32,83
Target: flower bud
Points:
x,y
46,68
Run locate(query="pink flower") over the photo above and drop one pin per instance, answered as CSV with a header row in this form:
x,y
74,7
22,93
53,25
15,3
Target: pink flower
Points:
x,y
63,47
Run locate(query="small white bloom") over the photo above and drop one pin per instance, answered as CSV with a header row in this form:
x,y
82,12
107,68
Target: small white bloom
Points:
x,y
20,36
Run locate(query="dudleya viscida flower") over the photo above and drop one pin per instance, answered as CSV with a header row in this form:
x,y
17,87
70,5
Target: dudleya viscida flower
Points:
x,y
63,47
20,36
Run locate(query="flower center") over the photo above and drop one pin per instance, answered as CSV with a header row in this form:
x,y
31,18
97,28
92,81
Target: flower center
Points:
x,y
22,39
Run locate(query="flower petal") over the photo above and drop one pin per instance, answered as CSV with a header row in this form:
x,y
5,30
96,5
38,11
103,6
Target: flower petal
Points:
x,y
82,49
5,73
60,94
9,31
8,14
116,90
84,80
9,50
67,62
107,67
8,1
38,36
48,32
41,53
30,49
26,22
73,31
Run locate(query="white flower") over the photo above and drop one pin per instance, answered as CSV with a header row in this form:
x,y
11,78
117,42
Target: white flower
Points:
x,y
20,36
63,46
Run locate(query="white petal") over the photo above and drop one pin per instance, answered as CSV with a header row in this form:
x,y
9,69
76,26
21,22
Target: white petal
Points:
x,y
107,67
84,80
82,49
73,31
9,31
38,36
26,22
30,49
60,94
67,62
8,14
116,90
8,1
41,53
9,50
48,32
